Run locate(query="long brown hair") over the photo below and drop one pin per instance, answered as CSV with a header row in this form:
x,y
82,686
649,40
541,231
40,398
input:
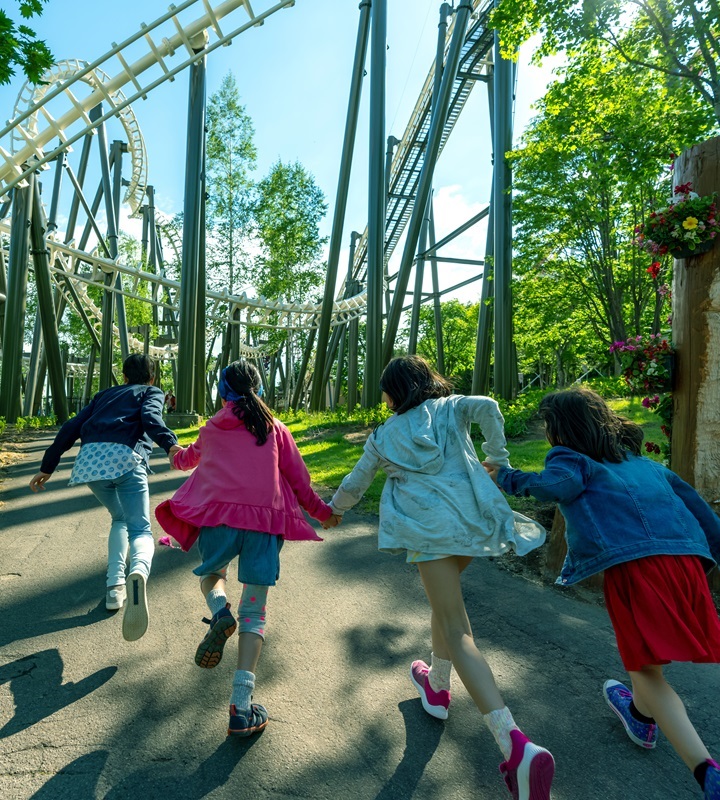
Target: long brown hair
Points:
x,y
409,381
580,419
243,378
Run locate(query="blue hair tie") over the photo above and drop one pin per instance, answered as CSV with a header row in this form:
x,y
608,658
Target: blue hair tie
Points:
x,y
228,394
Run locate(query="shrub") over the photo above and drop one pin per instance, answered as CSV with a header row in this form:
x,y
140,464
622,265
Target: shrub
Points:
x,y
3,425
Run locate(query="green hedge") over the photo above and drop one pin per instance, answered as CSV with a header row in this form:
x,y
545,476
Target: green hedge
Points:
x,y
3,425
35,423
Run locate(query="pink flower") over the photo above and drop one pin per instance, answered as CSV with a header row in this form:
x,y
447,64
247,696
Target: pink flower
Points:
x,y
166,541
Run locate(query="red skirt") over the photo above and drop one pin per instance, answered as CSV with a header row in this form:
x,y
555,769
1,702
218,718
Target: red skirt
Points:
x,y
662,611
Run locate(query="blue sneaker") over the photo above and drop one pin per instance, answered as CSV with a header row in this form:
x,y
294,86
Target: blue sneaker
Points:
x,y
712,781
619,697
210,650
247,722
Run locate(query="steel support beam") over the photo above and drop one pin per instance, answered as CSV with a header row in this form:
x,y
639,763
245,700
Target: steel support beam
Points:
x,y
439,348
376,207
187,338
14,329
200,369
317,396
119,148
418,293
502,223
46,310
437,124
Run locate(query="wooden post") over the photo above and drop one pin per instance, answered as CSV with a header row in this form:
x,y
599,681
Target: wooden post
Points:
x,y
696,338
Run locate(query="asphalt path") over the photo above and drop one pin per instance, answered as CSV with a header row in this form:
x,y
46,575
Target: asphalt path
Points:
x,y
84,714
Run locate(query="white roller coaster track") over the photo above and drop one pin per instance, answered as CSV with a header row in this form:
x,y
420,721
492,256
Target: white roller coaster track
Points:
x,y
68,263
179,46
32,97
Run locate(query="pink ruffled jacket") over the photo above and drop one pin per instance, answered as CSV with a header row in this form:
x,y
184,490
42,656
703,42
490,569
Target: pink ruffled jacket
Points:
x,y
242,485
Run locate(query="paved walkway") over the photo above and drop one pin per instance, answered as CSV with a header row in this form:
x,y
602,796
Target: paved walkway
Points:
x,y
84,714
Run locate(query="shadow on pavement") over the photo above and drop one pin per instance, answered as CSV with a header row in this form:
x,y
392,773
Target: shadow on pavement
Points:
x,y
421,741
77,779
209,775
31,617
37,687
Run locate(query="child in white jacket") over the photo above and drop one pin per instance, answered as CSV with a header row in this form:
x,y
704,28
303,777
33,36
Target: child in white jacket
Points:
x,y
441,509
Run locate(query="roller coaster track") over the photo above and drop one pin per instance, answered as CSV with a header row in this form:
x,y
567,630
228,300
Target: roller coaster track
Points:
x,y
169,45
68,264
409,156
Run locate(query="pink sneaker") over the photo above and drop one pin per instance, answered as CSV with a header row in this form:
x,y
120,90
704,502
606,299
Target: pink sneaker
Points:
x,y
529,771
435,703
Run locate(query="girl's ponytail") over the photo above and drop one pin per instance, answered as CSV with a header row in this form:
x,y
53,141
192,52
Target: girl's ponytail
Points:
x,y
240,384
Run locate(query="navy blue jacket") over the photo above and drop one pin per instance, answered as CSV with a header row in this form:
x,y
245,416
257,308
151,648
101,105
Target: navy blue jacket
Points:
x,y
618,512
130,414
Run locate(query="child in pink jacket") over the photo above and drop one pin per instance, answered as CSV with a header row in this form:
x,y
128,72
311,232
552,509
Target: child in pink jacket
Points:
x,y
243,500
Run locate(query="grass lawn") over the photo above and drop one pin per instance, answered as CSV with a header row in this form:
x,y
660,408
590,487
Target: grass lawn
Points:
x,y
331,447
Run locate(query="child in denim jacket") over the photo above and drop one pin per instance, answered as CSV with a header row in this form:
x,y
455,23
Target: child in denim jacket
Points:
x,y
654,537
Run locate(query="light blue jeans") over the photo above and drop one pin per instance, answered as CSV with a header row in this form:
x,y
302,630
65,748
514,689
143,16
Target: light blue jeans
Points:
x,y
127,498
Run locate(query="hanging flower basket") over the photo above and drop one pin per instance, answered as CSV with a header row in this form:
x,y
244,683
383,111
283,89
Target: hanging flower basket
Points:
x,y
699,249
686,226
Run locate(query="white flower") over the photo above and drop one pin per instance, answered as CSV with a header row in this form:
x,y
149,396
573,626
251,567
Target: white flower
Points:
x,y
693,195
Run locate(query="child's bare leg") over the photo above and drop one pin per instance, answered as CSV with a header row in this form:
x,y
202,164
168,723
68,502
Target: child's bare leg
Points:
x,y
654,697
213,583
439,647
441,580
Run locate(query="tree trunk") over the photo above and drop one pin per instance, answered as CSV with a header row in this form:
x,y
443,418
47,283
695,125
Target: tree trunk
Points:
x,y
696,335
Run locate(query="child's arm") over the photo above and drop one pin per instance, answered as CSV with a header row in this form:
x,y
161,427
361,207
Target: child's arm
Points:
x,y
66,438
296,473
564,478
486,413
355,484
186,458
152,421
703,513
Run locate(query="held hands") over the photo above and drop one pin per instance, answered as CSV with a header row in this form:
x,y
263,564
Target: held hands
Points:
x,y
39,481
171,455
332,521
492,470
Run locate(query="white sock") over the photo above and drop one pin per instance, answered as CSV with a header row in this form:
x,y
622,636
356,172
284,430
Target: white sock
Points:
x,y
216,600
439,675
501,722
243,685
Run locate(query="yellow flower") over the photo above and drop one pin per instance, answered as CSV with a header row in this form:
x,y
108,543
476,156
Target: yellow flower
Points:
x,y
690,223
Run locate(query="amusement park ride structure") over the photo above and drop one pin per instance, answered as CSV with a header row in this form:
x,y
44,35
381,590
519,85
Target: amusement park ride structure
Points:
x,y
73,105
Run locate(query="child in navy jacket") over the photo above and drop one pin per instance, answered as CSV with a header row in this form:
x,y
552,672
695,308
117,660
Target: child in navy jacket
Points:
x,y
117,430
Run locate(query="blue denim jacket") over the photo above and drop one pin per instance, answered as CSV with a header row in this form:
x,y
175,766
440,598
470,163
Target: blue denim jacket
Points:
x,y
130,414
618,512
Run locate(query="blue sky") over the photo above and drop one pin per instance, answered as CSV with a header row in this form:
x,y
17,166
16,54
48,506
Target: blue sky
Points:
x,y
293,74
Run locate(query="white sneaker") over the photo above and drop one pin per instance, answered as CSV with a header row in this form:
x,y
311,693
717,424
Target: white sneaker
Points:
x,y
135,619
115,597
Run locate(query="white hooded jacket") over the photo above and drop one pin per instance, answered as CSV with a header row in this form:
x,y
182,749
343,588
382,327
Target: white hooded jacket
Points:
x,y
438,499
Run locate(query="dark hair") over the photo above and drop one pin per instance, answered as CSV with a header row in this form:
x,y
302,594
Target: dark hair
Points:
x,y
244,379
410,380
138,368
580,419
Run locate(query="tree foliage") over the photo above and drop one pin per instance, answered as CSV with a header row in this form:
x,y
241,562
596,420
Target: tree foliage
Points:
x,y
20,47
287,213
231,157
586,169
679,39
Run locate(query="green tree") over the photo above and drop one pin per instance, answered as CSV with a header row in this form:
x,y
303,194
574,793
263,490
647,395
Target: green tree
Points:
x,y
676,38
587,166
19,45
231,156
287,214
